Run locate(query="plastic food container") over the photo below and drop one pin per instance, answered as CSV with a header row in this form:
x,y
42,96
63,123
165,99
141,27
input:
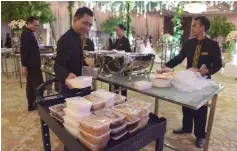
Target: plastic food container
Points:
x,y
131,114
96,140
106,95
95,125
145,107
97,102
134,131
119,99
118,129
120,136
56,118
78,105
74,132
116,119
57,111
80,82
90,146
73,115
143,122
142,85
71,122
132,125
161,80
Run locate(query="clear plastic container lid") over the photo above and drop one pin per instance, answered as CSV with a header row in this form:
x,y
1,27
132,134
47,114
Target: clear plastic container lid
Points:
x,y
71,122
103,94
118,129
58,109
112,115
145,107
80,82
94,124
79,105
119,99
94,99
74,115
120,136
132,132
131,114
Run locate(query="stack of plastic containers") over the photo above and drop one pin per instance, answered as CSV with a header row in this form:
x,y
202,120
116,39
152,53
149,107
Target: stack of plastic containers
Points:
x,y
57,112
108,97
77,108
94,132
97,102
117,125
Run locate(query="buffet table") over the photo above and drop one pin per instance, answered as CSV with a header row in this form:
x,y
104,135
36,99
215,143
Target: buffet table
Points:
x,y
154,131
192,100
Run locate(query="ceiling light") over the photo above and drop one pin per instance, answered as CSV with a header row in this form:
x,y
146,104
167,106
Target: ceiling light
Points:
x,y
195,8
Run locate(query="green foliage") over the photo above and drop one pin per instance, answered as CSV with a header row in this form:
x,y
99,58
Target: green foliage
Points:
x,y
220,27
69,7
15,10
177,23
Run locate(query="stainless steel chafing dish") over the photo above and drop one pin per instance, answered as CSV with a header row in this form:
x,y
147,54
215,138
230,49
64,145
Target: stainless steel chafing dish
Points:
x,y
128,63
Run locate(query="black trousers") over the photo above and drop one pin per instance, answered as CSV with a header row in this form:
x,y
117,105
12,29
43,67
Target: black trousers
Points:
x,y
33,79
123,92
199,117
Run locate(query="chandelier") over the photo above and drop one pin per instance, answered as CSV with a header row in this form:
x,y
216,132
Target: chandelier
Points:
x,y
195,8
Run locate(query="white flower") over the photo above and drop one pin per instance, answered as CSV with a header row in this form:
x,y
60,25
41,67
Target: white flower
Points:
x,y
232,36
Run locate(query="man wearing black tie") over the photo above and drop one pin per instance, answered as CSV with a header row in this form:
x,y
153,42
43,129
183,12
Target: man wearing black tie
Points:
x,y
199,51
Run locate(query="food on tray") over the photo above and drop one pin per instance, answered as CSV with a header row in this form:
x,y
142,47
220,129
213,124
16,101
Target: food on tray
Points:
x,y
98,103
131,114
145,107
79,105
116,119
73,115
95,125
56,118
96,140
119,99
106,95
90,146
132,125
161,80
57,111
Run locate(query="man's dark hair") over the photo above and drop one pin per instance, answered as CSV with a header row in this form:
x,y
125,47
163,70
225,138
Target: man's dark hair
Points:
x,y
204,21
111,34
82,11
121,26
31,19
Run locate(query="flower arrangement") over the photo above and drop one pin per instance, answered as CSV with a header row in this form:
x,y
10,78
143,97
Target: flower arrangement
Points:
x,y
16,25
167,38
231,41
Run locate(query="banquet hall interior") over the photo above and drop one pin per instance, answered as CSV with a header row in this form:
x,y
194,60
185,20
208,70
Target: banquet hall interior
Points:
x,y
158,28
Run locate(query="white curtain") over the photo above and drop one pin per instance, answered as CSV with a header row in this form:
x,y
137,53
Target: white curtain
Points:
x,y
61,25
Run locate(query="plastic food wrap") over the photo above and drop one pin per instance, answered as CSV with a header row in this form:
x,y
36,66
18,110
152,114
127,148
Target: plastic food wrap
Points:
x,y
57,111
78,105
131,114
106,95
74,132
132,125
98,103
90,146
145,107
116,119
119,99
120,136
80,82
73,115
95,125
96,140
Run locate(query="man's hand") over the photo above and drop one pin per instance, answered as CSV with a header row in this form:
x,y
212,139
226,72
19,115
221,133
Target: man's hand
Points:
x,y
203,72
70,76
24,71
163,69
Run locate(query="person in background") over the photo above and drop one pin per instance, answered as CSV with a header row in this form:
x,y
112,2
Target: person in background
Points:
x,y
122,43
69,59
30,59
110,41
8,42
199,51
87,43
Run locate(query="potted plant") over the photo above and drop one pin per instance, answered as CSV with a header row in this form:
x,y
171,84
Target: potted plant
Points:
x,y
231,42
